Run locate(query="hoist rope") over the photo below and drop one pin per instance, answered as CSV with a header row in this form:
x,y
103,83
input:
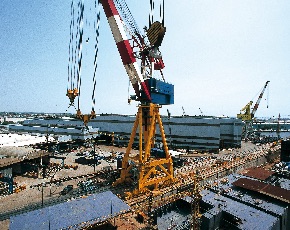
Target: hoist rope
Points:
x,y
162,13
151,12
69,66
75,70
80,47
96,27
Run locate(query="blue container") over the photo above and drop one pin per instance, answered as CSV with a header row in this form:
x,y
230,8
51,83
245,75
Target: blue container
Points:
x,y
161,92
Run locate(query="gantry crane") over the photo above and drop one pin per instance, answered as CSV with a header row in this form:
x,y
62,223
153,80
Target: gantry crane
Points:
x,y
247,114
141,58
150,92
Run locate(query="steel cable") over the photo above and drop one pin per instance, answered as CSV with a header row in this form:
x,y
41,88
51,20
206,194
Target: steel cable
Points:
x,y
96,27
69,66
80,47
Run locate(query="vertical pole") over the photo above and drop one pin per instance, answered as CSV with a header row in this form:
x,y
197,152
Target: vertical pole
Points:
x,y
95,155
42,195
140,114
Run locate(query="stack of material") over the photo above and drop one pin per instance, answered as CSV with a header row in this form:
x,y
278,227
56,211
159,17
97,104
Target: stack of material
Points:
x,y
4,188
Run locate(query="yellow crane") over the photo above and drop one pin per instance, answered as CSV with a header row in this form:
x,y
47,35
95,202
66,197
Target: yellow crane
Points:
x,y
247,114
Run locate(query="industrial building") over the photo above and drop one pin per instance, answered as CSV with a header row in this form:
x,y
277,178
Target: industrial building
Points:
x,y
285,151
185,132
236,202
198,190
64,128
18,161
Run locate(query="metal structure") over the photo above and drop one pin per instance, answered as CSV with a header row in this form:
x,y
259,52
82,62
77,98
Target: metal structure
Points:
x,y
183,112
150,92
142,61
247,114
278,129
196,198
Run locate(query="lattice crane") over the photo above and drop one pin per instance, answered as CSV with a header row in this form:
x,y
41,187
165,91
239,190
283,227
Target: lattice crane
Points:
x,y
150,92
247,114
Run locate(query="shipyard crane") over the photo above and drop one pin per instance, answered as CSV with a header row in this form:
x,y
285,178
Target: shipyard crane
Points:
x,y
200,111
183,112
278,129
142,61
247,113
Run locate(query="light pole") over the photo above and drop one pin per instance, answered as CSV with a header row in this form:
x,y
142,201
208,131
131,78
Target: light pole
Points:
x,y
94,154
42,184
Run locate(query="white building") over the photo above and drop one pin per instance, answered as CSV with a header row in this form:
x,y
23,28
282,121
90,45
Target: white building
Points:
x,y
188,132
63,129
14,119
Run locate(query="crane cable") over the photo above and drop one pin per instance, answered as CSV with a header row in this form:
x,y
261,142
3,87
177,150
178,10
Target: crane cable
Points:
x,y
80,47
151,12
76,54
74,41
161,12
96,27
70,51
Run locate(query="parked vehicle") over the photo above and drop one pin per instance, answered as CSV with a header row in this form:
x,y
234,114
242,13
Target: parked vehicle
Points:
x,y
66,190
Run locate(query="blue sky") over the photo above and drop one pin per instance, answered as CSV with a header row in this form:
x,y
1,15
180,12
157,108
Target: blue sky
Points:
x,y
218,54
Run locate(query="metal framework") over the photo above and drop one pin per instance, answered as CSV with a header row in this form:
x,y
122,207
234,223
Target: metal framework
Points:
x,y
247,115
196,197
151,171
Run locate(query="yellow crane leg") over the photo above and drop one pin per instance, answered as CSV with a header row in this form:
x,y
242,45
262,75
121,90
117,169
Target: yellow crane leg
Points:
x,y
151,171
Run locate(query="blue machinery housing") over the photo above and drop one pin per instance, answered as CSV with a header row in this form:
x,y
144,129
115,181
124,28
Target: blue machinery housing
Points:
x,y
161,92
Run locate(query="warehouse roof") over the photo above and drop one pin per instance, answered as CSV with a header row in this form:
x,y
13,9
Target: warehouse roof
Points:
x,y
254,200
93,209
263,188
247,217
258,173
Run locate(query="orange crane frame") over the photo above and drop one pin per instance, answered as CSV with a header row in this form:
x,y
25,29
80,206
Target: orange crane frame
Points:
x,y
151,171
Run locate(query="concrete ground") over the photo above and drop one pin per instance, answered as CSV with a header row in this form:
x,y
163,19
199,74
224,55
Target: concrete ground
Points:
x,y
34,194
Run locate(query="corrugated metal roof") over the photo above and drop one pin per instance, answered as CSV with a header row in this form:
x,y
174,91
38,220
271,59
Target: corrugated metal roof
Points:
x,y
250,217
258,173
263,188
254,200
93,209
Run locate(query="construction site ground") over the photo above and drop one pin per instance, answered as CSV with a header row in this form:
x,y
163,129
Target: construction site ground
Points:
x,y
34,186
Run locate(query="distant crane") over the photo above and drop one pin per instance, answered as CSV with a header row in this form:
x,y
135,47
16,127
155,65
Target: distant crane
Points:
x,y
200,111
278,130
183,112
247,114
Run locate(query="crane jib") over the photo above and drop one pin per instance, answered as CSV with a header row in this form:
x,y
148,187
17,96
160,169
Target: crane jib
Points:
x,y
124,47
